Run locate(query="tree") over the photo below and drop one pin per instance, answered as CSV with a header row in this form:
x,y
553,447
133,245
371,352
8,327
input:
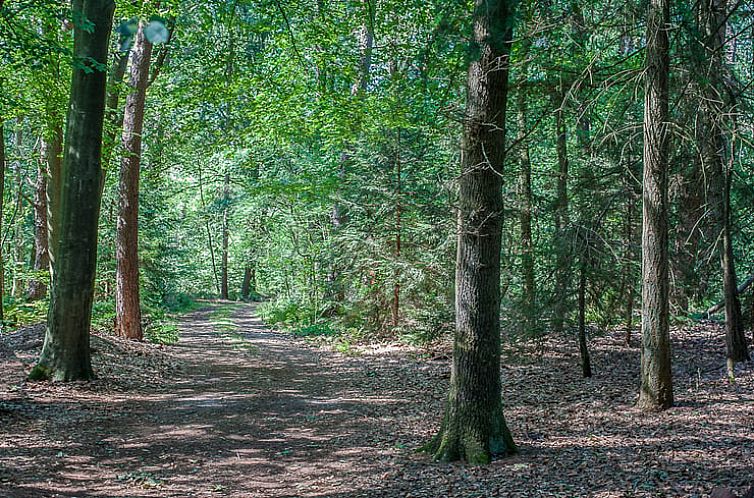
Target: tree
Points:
x,y
716,107
474,428
2,198
65,353
127,301
37,287
656,379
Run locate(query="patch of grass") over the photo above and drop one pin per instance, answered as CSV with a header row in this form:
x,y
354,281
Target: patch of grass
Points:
x,y
221,318
223,312
19,313
164,332
239,342
322,329
103,316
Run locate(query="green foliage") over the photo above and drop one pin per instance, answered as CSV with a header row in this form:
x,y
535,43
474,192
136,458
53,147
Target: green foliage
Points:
x,y
103,316
19,313
285,313
162,332
322,329
258,129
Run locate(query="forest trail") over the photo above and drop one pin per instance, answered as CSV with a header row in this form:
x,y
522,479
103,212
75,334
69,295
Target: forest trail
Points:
x,y
252,413
257,413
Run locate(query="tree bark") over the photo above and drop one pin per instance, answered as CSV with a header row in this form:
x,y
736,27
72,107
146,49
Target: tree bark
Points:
x,y
65,353
586,363
398,231
656,379
54,187
2,198
246,282
741,288
717,105
37,287
18,239
225,237
127,299
474,428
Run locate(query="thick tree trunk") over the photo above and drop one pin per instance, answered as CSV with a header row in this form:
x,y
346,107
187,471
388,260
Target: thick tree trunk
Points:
x,y
38,287
656,379
127,300
65,353
525,217
473,428
562,219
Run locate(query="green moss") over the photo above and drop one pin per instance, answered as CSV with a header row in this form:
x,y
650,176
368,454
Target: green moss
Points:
x,y
40,373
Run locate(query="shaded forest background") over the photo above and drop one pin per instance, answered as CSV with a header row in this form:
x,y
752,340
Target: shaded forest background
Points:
x,y
307,152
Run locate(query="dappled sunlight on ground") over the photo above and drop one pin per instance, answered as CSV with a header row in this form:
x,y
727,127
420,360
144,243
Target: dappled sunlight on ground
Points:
x,y
252,412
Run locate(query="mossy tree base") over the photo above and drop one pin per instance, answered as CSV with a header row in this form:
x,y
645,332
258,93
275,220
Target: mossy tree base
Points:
x,y
77,368
456,443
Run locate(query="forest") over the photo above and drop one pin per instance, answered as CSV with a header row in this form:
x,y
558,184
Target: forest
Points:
x,y
376,248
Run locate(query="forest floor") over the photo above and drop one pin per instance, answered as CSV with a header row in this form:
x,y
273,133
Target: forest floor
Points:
x,y
236,409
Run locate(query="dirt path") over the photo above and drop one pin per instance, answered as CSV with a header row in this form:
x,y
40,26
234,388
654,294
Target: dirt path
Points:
x,y
256,413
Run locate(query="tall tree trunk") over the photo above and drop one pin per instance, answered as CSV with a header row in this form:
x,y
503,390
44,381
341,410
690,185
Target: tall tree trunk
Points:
x,y
210,242
717,105
225,237
2,198
525,218
18,239
656,379
474,428
113,115
398,230
54,188
628,274
562,220
38,287
246,282
65,353
586,363
127,300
